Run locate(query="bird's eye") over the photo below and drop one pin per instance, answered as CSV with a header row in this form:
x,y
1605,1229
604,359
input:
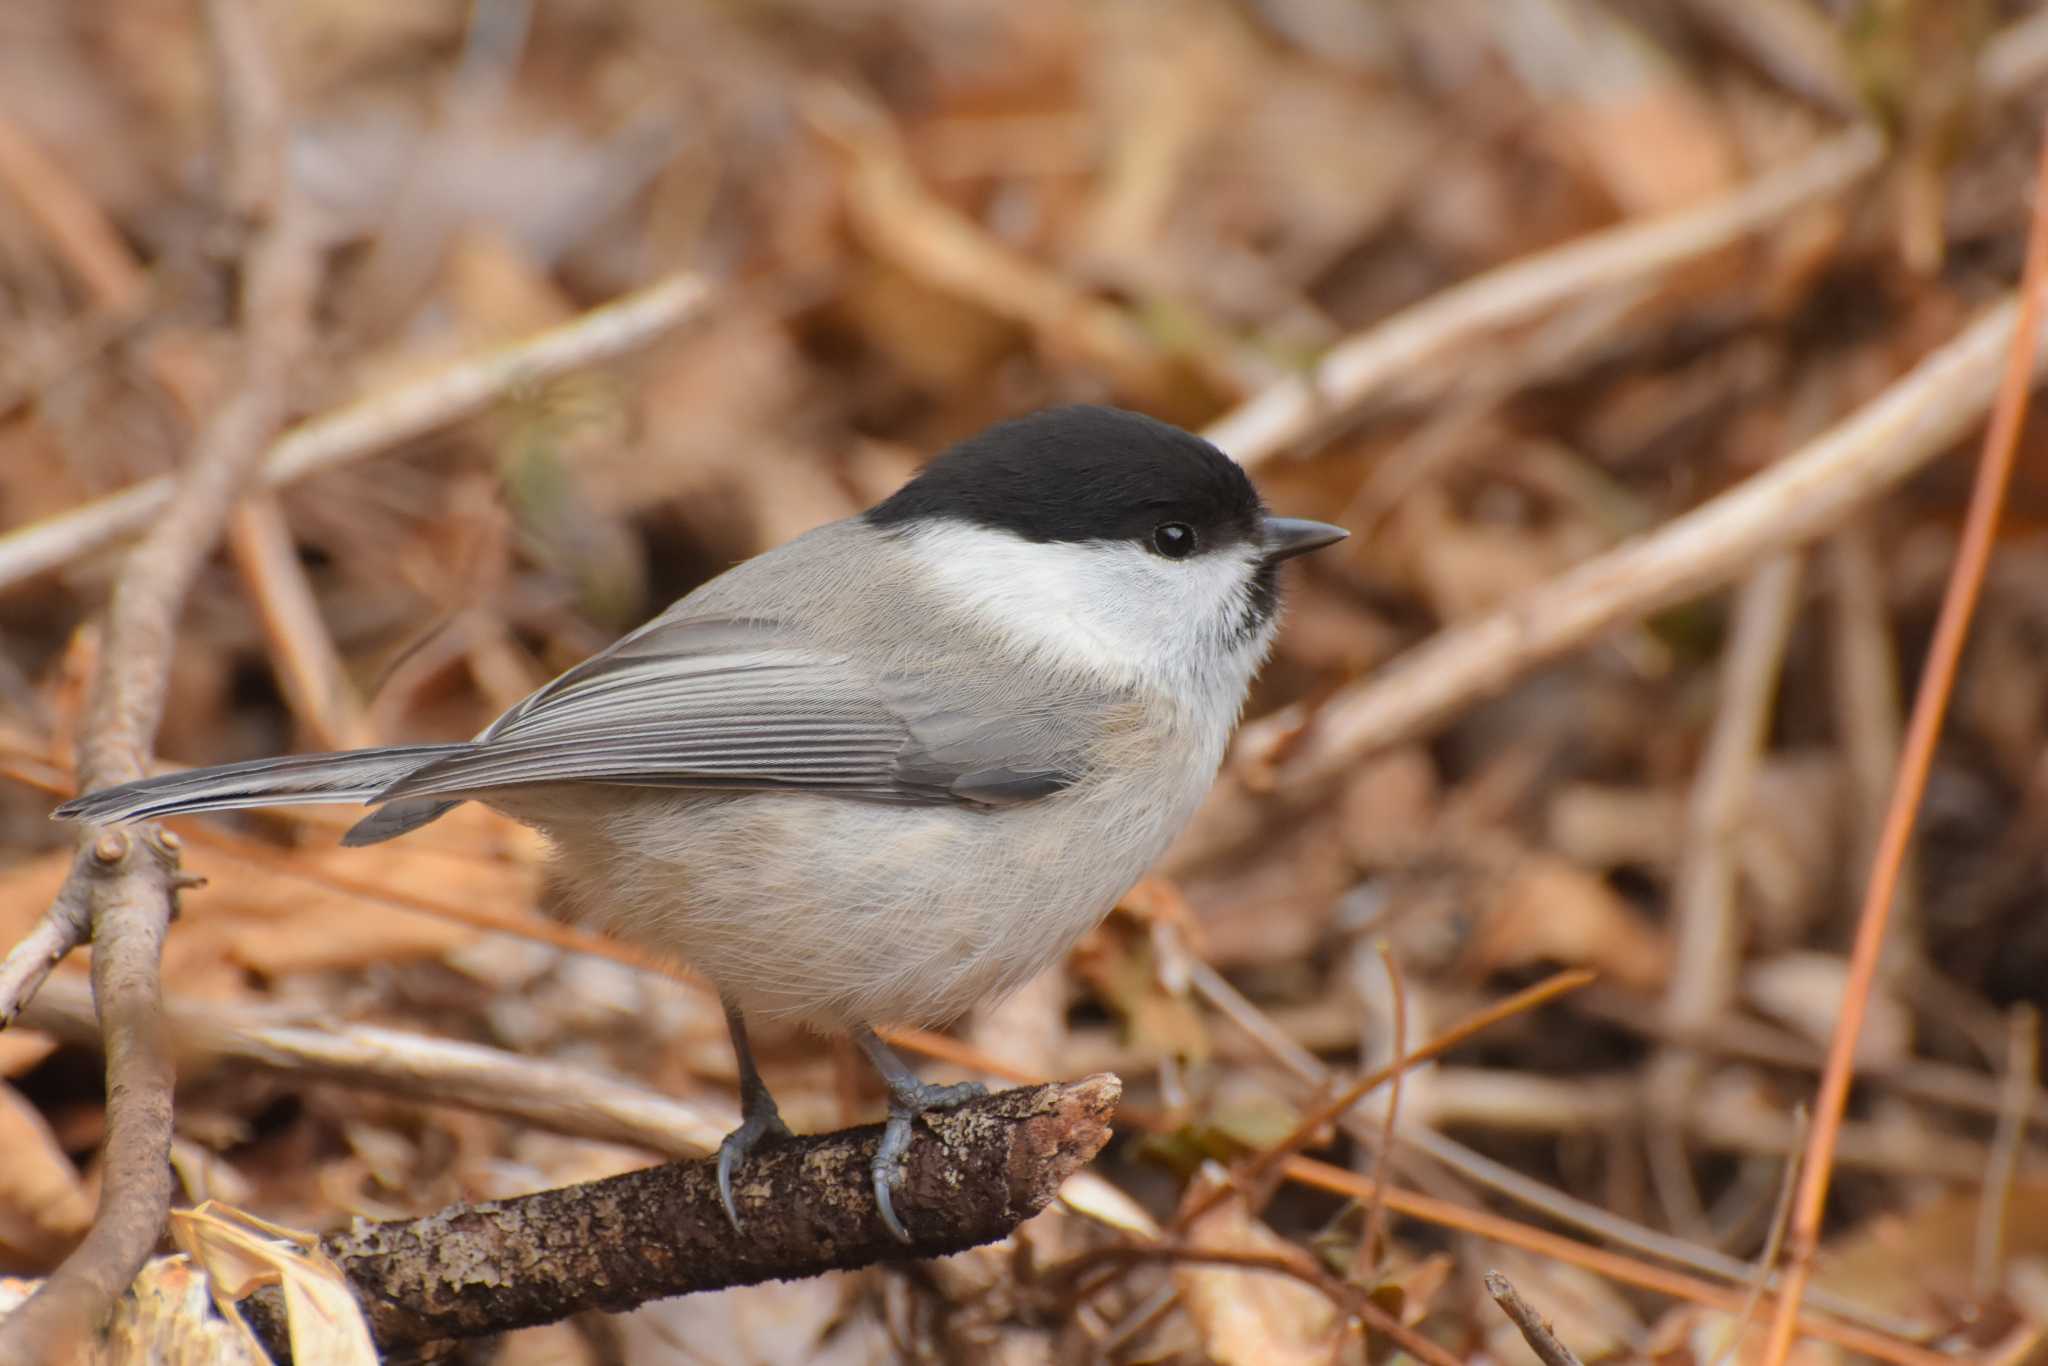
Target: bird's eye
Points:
x,y
1174,540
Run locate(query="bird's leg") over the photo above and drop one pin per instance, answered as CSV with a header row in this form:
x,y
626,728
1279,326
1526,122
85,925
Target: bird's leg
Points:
x,y
908,1098
759,1118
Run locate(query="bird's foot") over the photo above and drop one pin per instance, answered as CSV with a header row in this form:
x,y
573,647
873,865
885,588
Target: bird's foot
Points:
x,y
762,1121
908,1101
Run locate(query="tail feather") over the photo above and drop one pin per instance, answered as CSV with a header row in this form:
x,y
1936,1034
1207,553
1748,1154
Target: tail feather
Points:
x,y
355,776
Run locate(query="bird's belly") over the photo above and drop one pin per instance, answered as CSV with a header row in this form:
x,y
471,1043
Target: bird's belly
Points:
x,y
832,912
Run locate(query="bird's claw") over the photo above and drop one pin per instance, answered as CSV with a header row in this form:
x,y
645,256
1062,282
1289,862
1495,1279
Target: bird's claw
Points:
x,y
906,1105
761,1122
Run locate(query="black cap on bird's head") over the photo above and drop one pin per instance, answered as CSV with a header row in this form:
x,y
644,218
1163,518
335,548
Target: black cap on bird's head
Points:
x,y
1089,473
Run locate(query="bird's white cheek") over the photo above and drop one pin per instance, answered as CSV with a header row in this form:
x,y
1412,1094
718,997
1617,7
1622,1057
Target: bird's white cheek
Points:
x,y
1115,611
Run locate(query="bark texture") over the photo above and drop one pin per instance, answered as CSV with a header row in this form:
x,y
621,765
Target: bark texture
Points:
x,y
807,1207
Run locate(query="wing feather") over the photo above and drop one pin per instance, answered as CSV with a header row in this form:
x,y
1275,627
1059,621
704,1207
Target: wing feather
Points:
x,y
720,703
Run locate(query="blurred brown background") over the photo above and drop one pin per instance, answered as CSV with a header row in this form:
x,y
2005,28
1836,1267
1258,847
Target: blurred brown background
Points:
x,y
918,216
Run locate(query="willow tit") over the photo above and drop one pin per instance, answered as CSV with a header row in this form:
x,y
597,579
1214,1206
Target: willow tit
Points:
x,y
887,771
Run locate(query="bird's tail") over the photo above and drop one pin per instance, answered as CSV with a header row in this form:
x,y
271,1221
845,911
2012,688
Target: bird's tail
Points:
x,y
356,776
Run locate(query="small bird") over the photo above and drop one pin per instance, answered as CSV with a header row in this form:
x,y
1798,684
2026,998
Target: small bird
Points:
x,y
889,770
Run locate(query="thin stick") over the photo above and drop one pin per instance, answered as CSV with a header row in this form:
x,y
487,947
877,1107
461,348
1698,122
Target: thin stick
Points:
x,y
75,225
378,421
1534,1329
1929,703
302,652
1703,891
2022,1080
1863,681
130,878
1376,1208
1336,1107
1767,1260
562,1098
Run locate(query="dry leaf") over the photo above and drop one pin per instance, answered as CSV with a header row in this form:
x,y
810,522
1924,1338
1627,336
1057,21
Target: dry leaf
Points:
x,y
44,1208
1091,1197
1805,991
1551,911
240,1252
168,1318
1250,1318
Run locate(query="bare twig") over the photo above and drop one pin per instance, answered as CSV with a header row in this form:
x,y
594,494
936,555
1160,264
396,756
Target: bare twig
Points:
x,y
2021,351
1534,1330
1703,892
130,879
973,1174
379,421
88,243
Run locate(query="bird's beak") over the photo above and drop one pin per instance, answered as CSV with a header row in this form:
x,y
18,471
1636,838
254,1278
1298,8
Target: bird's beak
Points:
x,y
1286,537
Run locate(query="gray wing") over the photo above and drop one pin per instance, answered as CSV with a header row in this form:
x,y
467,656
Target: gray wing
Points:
x,y
722,703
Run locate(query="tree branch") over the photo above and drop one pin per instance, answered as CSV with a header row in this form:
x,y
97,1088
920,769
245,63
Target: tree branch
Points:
x,y
123,884
808,1204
